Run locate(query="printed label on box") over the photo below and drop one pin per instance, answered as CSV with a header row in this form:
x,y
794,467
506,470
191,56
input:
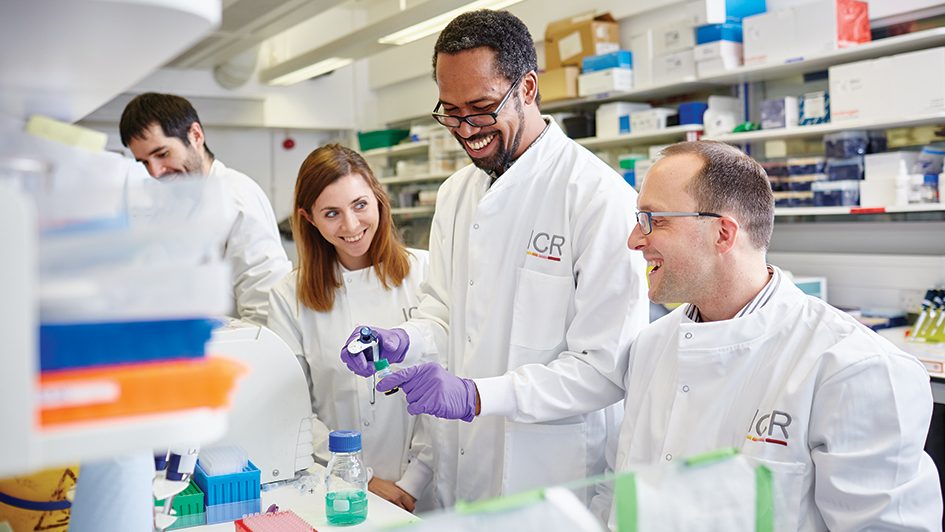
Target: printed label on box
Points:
x,y
570,46
814,107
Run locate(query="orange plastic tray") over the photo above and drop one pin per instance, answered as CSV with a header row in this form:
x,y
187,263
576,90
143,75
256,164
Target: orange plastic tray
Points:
x,y
132,389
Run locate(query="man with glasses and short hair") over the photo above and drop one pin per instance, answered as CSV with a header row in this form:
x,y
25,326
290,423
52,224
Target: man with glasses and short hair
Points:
x,y
529,280
837,413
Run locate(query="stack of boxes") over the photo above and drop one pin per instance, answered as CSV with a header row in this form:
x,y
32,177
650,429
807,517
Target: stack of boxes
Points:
x,y
718,48
804,31
567,43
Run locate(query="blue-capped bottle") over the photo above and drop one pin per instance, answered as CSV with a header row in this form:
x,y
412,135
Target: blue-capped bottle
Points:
x,y
345,479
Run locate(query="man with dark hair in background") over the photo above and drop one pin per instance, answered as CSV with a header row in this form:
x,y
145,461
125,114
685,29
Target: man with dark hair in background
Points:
x,y
164,133
529,278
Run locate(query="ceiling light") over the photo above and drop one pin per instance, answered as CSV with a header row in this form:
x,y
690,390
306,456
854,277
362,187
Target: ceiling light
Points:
x,y
435,24
317,69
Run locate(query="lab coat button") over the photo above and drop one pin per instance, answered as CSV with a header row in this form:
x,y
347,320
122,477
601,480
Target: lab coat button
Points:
x,y
470,282
475,226
469,339
685,389
348,280
688,336
462,451
669,457
367,423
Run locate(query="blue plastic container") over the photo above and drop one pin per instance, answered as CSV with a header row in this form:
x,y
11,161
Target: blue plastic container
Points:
x,y
229,497
618,59
730,31
100,344
691,113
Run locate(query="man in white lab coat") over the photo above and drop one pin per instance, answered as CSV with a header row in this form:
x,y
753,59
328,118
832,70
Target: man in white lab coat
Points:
x,y
836,412
527,267
164,133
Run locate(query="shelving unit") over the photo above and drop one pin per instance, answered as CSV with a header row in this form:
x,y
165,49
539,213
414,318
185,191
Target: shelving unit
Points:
x,y
821,211
403,150
662,136
423,209
412,179
822,129
750,74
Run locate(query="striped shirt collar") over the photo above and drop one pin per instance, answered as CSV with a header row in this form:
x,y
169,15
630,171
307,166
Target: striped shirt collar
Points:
x,y
760,300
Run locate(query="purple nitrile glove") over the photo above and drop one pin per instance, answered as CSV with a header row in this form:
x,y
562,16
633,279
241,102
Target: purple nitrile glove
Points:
x,y
430,389
392,345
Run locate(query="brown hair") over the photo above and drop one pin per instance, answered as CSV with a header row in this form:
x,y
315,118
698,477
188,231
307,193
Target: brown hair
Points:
x,y
731,181
319,275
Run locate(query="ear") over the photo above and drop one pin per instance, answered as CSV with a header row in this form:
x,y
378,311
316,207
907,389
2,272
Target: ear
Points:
x,y
195,135
530,87
728,230
304,214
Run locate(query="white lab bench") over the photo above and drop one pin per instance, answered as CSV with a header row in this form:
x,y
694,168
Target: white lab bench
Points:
x,y
311,508
932,357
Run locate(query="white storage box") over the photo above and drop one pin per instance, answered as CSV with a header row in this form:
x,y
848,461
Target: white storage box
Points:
x,y
610,80
860,91
650,120
878,192
717,57
823,26
673,38
608,117
641,46
674,68
768,38
919,82
883,166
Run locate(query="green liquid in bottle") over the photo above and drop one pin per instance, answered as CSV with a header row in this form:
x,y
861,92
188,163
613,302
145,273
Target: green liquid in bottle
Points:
x,y
348,507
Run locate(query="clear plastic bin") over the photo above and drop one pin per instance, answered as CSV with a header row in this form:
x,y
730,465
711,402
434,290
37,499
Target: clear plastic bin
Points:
x,y
836,193
845,144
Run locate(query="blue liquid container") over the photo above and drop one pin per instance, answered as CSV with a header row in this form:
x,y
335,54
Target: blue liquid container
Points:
x,y
345,479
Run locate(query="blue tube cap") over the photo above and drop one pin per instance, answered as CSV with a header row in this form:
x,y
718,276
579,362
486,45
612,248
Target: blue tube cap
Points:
x,y
344,441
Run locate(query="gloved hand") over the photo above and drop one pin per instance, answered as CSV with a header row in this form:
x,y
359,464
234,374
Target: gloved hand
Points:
x,y
392,344
430,389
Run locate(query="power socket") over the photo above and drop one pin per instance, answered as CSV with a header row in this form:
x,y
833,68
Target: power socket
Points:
x,y
911,300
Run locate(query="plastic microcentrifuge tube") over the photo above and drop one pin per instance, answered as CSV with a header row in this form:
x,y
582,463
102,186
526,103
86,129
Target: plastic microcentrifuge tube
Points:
x,y
382,369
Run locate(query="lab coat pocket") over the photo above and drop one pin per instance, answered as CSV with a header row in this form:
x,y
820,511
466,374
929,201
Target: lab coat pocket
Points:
x,y
788,479
541,309
539,454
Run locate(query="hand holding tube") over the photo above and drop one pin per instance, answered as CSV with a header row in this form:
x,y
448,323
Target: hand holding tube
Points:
x,y
391,344
430,389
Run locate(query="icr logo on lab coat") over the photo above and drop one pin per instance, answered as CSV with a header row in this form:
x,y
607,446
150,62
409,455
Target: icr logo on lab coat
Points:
x,y
545,246
764,427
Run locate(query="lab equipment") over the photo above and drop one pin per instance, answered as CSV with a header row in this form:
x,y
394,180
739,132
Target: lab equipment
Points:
x,y
285,521
346,479
382,367
229,497
271,413
181,460
365,343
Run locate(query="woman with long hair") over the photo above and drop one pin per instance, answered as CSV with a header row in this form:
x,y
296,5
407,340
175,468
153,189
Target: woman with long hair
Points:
x,y
353,270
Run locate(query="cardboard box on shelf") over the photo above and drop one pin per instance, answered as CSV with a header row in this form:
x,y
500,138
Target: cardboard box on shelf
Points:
x,y
827,25
569,40
610,80
814,108
558,84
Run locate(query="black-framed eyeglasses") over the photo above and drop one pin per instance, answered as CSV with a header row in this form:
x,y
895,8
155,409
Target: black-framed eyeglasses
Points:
x,y
645,218
478,119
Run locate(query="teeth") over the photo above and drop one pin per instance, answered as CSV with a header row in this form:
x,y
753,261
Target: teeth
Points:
x,y
651,265
480,144
353,239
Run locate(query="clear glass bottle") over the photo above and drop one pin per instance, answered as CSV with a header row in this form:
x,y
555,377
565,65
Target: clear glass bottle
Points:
x,y
345,479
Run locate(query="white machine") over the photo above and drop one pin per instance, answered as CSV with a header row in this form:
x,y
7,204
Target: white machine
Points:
x,y
271,415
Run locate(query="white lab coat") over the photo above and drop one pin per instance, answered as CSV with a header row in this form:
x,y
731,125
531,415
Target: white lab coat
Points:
x,y
836,412
395,444
253,246
531,270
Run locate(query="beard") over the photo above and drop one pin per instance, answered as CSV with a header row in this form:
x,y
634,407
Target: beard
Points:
x,y
192,165
502,158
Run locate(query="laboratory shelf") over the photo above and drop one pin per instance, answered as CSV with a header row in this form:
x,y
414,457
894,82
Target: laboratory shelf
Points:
x,y
413,178
818,211
755,73
423,209
669,134
822,129
411,148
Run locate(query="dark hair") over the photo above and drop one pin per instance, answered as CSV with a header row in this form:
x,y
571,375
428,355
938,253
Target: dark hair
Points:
x,y
731,182
318,274
501,31
173,113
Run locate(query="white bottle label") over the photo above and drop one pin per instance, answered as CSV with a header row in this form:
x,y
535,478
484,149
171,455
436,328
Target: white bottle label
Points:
x,y
341,505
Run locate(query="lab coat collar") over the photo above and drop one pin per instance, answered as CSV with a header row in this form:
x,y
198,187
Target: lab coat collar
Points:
x,y
536,158
726,334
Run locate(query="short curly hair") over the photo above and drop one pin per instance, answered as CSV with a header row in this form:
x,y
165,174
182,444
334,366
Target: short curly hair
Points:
x,y
501,31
